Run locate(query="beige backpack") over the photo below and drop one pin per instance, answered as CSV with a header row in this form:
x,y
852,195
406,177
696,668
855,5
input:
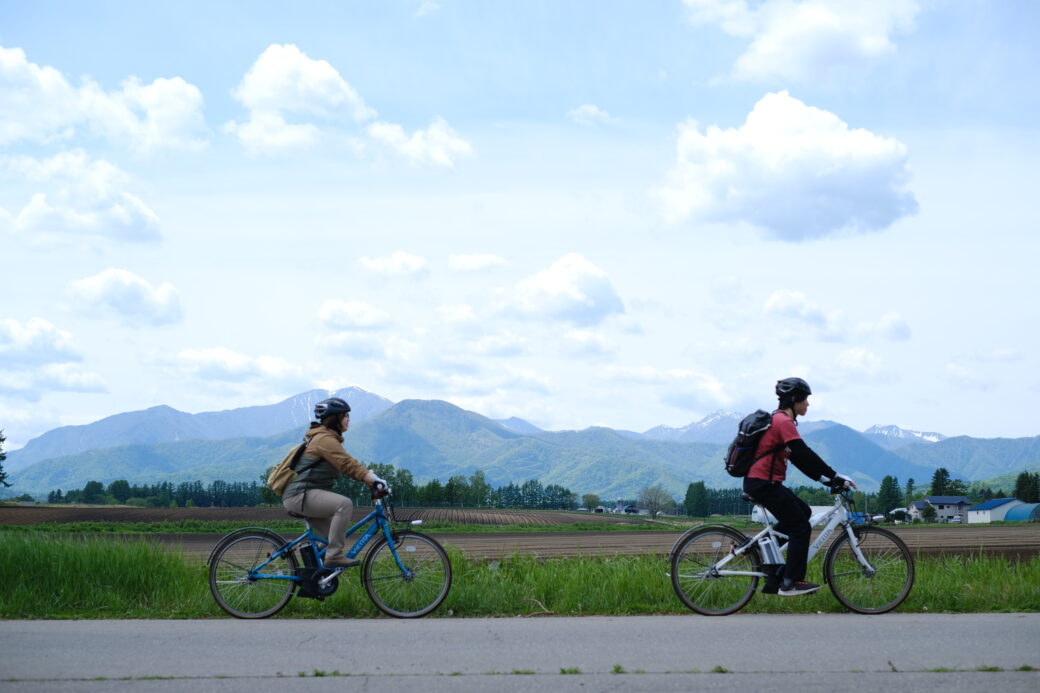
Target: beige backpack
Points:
x,y
284,471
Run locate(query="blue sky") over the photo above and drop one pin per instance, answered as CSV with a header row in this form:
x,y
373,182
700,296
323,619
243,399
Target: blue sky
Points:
x,y
579,213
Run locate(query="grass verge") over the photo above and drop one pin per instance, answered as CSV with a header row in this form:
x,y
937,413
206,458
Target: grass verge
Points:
x,y
50,576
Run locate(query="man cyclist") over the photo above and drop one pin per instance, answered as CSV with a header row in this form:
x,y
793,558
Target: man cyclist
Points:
x,y
764,484
323,461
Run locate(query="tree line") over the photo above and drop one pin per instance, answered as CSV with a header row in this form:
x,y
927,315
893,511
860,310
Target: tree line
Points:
x,y
460,490
703,501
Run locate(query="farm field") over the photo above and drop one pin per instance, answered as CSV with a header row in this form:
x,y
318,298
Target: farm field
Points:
x,y
35,514
1012,541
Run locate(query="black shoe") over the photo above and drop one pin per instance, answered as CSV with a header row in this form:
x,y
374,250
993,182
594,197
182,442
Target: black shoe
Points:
x,y
341,562
793,588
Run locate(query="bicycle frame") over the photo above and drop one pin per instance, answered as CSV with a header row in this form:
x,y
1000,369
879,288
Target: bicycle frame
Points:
x,y
837,515
377,521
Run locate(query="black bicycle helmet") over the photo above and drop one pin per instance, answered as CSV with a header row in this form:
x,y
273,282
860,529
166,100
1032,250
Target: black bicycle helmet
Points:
x,y
794,388
330,407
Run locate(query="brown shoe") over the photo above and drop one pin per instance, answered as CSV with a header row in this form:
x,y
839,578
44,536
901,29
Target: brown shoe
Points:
x,y
341,561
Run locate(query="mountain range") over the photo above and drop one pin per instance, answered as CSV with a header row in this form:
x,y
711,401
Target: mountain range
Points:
x,y
436,439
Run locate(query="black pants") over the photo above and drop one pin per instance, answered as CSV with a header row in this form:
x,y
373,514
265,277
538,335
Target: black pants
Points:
x,y
792,515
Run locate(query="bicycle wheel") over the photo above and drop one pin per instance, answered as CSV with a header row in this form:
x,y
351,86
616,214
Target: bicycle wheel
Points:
x,y
696,579
419,588
873,589
233,575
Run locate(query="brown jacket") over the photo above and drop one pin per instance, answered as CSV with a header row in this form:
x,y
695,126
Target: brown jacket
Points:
x,y
323,461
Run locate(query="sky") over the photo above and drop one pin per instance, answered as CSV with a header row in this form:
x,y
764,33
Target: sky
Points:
x,y
578,213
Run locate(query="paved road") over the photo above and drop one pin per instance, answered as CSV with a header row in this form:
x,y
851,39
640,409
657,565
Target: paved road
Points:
x,y
926,652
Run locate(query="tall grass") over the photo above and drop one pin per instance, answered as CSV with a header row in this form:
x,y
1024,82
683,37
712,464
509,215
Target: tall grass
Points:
x,y
47,576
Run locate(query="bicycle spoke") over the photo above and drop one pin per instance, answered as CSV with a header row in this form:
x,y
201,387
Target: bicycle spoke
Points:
x,y
697,583
875,588
415,591
236,586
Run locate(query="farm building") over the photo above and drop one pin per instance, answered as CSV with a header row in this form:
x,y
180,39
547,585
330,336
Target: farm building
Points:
x,y
992,510
1026,511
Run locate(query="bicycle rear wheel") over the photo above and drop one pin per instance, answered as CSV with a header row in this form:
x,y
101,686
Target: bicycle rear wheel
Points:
x,y
236,583
873,589
696,579
414,591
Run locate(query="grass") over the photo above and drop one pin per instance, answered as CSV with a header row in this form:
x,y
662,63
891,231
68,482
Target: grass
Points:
x,y
49,576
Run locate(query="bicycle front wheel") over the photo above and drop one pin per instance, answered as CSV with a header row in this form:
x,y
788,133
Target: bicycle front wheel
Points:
x,y
248,578
701,584
877,587
410,579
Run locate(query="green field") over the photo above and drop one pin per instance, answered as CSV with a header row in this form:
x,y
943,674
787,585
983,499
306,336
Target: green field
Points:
x,y
51,576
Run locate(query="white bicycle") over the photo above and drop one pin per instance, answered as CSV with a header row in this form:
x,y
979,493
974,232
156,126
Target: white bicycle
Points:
x,y
715,568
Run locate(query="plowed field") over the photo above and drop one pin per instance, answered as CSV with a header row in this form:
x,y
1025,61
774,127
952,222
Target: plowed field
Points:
x,y
31,514
1019,541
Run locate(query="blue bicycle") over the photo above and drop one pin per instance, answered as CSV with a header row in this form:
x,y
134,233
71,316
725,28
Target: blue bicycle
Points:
x,y
254,572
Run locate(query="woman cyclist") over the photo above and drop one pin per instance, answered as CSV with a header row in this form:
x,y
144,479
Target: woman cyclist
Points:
x,y
764,484
323,461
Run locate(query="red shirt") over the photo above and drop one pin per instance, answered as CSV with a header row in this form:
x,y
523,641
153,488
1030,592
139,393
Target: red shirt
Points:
x,y
781,432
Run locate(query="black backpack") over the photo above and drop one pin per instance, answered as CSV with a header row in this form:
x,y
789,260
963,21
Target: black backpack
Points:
x,y
741,453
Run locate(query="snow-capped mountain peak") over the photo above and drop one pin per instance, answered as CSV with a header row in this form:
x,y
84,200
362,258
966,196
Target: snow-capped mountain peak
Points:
x,y
895,432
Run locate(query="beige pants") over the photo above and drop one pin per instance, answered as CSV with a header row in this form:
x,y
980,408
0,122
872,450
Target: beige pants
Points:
x,y
329,514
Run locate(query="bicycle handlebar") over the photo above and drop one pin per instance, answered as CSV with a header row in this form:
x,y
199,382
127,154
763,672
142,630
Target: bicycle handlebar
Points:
x,y
379,491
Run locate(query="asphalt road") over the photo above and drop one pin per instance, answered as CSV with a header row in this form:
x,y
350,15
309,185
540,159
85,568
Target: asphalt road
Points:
x,y
920,652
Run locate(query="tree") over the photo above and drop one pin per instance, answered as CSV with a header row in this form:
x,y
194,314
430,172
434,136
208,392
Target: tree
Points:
x,y
696,500
655,499
120,490
3,456
928,513
940,480
1027,487
909,491
94,493
888,495
590,501
480,490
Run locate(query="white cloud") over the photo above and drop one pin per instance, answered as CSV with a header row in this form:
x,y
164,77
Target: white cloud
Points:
x,y
588,115
678,387
437,144
219,363
475,262
809,39
795,304
352,315
134,300
398,264
457,315
32,384
426,8
797,171
499,345
82,198
284,82
587,343
890,326
571,289
34,342
858,361
36,357
38,104
362,345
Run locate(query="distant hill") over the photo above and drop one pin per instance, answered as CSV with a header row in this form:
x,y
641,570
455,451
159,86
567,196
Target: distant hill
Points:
x,y
518,425
436,439
976,458
718,427
894,437
165,424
